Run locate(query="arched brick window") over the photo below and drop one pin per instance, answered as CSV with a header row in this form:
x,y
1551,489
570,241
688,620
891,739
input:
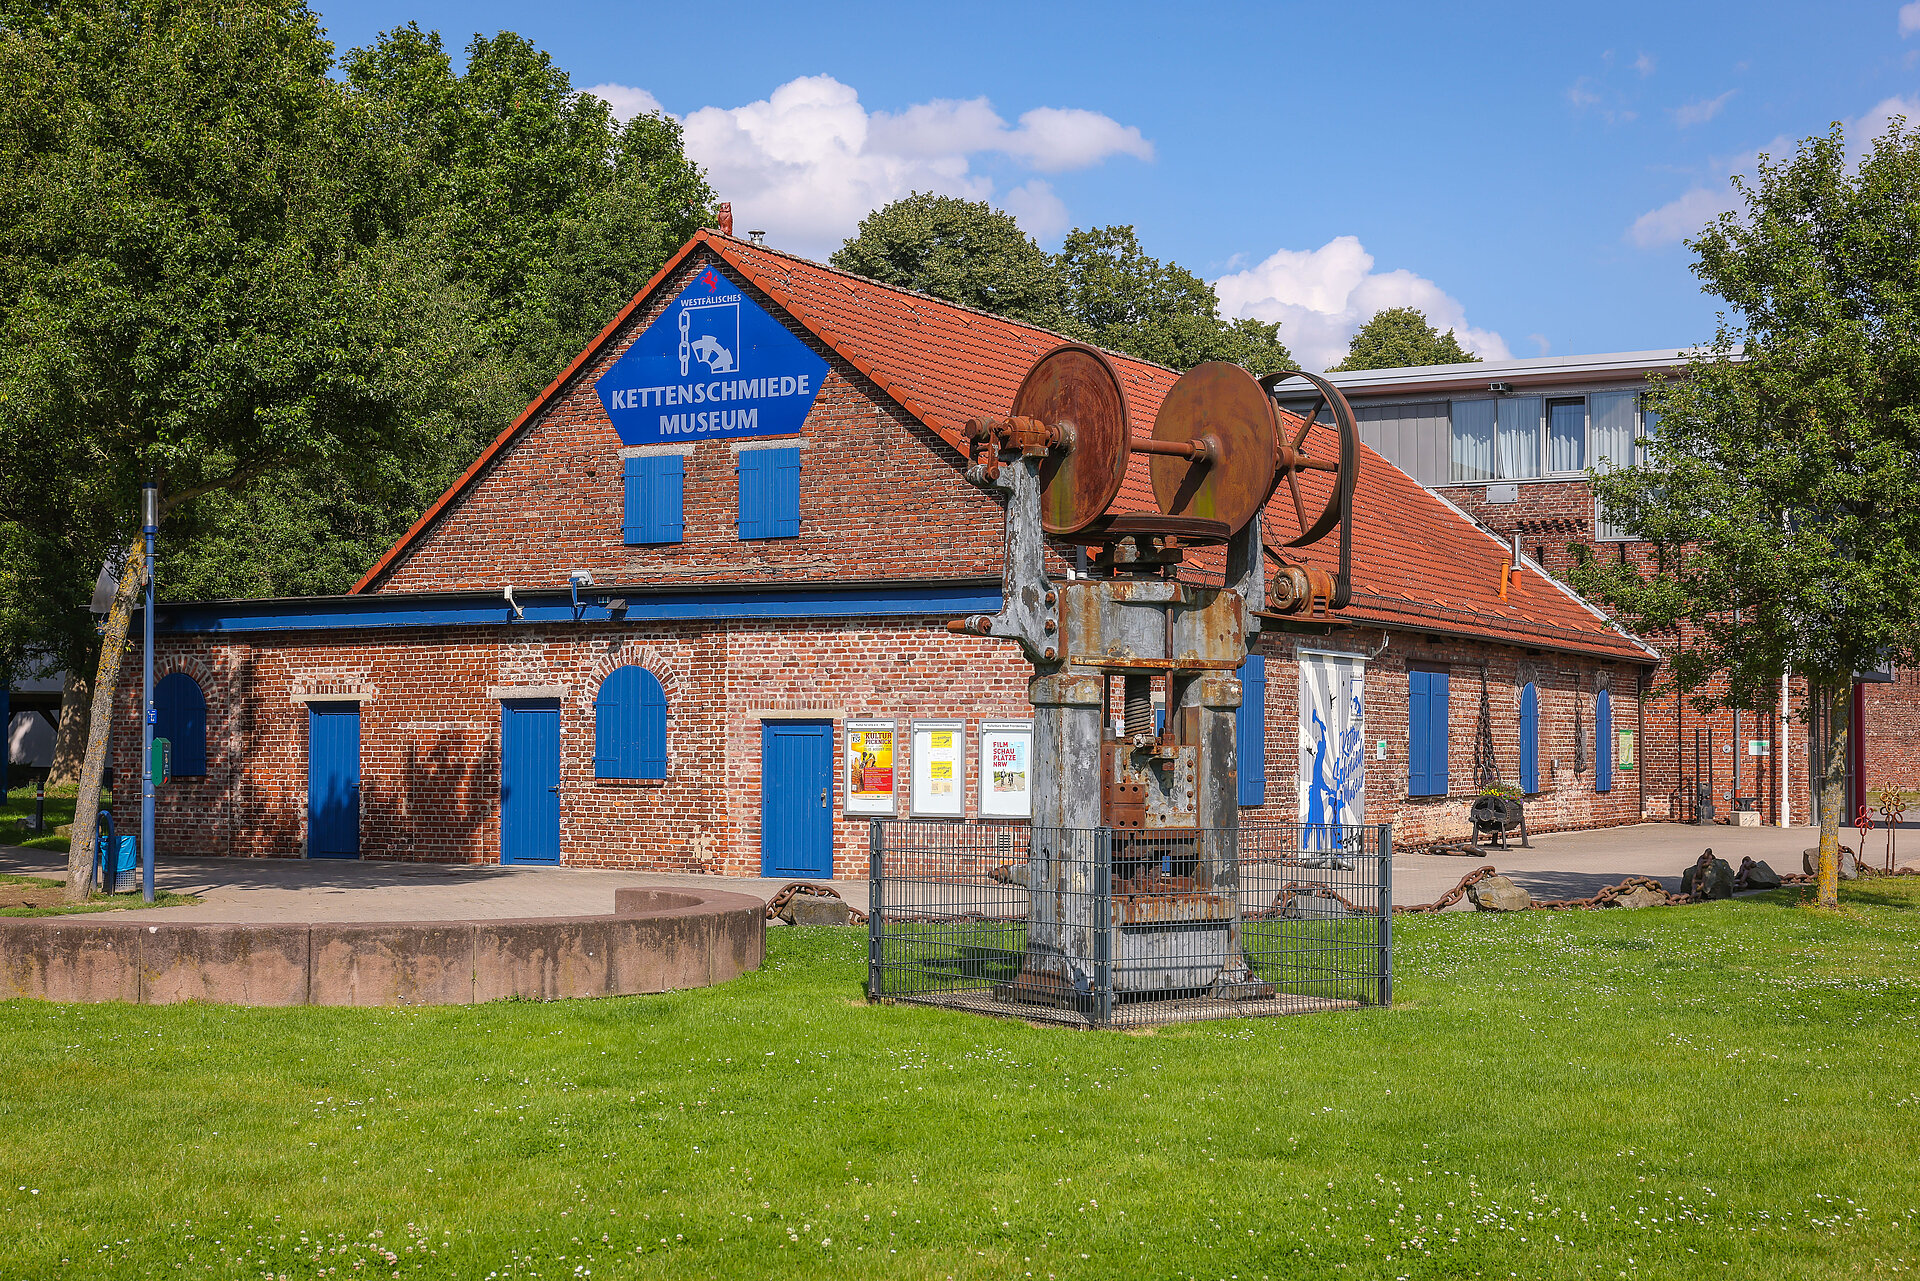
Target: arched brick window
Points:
x,y
180,717
630,725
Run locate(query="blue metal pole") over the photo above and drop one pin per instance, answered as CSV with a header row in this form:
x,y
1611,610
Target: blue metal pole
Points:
x,y
150,526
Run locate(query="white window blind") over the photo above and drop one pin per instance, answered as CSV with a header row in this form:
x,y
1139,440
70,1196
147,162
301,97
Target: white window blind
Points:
x,y
1615,424
1519,437
1472,457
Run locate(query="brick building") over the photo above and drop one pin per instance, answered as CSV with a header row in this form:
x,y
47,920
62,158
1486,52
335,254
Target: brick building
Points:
x,y
1511,443
641,632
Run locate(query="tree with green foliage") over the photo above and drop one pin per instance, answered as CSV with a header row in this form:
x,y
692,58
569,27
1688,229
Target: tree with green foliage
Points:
x,y
551,213
214,267
558,212
1398,337
1119,297
964,251
1783,487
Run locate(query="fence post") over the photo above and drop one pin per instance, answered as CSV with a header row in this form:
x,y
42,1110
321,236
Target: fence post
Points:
x,y
874,904
1103,925
1384,835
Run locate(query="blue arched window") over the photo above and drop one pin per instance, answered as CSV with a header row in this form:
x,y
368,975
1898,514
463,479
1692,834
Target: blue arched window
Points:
x,y
180,717
630,726
1529,739
1603,742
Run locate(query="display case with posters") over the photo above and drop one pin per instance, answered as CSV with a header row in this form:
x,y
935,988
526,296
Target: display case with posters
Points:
x,y
1006,769
869,772
939,769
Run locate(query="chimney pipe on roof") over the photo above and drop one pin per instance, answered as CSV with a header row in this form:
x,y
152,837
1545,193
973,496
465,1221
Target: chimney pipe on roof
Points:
x,y
726,218
757,237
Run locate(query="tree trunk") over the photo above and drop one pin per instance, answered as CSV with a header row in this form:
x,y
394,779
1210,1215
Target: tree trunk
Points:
x,y
113,649
1833,781
70,741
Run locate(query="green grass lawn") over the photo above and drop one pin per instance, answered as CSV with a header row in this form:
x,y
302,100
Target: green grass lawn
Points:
x,y
98,902
16,807
1721,1091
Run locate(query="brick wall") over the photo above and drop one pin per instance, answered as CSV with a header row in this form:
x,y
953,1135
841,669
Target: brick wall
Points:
x,y
1552,519
1892,744
1567,799
553,502
430,732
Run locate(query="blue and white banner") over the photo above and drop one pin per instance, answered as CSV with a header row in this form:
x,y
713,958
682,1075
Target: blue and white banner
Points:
x,y
1333,732
714,364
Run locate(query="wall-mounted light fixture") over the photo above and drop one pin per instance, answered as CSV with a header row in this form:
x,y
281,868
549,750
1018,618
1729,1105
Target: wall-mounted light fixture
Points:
x,y
507,592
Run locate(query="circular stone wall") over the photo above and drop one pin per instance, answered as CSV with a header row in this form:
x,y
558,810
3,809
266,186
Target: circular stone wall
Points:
x,y
656,941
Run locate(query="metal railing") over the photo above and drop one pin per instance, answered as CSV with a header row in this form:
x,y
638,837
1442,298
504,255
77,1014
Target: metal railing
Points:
x,y
1097,927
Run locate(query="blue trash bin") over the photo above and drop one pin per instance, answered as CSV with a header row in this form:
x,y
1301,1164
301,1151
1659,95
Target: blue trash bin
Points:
x,y
126,851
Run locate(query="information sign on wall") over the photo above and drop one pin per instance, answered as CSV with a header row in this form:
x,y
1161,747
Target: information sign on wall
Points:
x,y
714,365
1006,769
870,767
939,769
1623,757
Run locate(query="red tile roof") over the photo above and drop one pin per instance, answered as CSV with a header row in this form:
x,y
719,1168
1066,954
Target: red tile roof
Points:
x,y
1418,562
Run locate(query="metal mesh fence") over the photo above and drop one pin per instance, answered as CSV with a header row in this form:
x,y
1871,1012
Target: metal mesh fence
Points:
x,y
1095,927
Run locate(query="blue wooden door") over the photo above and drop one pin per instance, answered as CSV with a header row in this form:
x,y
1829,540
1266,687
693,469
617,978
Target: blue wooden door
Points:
x,y
796,798
530,781
333,780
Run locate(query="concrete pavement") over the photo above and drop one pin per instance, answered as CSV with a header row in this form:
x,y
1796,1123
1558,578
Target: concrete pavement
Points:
x,y
1560,865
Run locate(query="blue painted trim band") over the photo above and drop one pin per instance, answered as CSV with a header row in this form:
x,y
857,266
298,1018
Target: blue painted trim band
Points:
x,y
336,613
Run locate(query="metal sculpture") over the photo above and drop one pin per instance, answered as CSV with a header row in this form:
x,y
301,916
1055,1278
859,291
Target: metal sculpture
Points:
x,y
1164,797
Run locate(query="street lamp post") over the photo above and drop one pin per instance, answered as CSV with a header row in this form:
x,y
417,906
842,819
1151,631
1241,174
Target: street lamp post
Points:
x,y
150,526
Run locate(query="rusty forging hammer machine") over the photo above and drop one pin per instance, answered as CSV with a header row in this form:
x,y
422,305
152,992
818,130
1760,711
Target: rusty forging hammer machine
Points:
x,y
1165,795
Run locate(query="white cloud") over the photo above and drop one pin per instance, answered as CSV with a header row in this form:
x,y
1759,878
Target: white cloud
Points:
x,y
1644,63
1698,113
809,161
1909,18
1678,219
1321,296
1040,213
1694,209
626,101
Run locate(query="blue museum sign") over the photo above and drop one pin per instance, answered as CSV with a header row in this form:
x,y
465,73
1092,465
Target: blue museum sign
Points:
x,y
714,364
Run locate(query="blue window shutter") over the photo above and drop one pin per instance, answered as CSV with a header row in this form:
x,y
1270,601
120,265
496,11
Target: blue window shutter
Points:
x,y
650,749
1417,695
1603,742
1529,739
783,515
666,480
610,721
630,725
1437,776
769,493
1250,731
180,717
634,527
750,465
653,508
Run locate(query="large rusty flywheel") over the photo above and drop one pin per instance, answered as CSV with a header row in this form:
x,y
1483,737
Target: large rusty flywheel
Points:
x,y
1221,452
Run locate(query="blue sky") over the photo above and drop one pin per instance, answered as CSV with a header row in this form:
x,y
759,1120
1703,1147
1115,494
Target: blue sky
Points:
x,y
1524,172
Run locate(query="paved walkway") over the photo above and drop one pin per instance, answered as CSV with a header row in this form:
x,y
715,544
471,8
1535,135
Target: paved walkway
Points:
x,y
1561,865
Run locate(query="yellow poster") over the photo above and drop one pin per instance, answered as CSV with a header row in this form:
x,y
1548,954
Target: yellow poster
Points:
x,y
939,769
872,751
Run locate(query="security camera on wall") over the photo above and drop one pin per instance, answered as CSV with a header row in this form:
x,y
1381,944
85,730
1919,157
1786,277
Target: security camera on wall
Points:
x,y
581,578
